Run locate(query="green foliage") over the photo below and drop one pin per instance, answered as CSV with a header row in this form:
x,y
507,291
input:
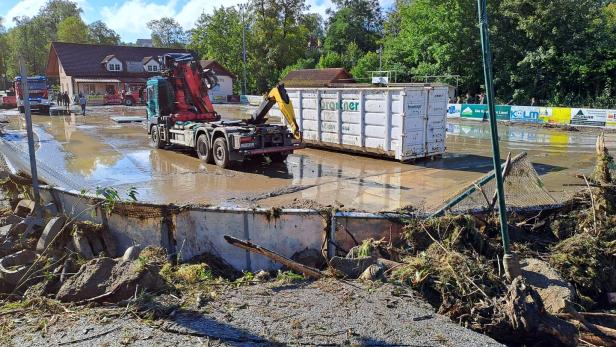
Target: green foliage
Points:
x,y
30,38
289,277
99,33
74,30
369,62
355,21
167,32
219,36
110,197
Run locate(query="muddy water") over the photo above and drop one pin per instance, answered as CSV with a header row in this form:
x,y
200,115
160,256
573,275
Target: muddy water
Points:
x,y
94,151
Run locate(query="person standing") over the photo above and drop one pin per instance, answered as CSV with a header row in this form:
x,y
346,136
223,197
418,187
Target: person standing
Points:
x,y
66,99
82,102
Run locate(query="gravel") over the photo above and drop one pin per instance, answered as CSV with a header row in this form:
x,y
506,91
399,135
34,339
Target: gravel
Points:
x,y
325,312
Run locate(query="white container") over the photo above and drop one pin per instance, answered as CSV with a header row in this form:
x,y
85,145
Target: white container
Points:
x,y
404,123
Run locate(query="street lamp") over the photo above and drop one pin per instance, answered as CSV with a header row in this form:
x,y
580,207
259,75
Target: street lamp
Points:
x,y
243,8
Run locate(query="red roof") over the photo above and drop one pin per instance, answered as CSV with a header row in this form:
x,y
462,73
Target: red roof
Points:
x,y
86,60
317,78
216,67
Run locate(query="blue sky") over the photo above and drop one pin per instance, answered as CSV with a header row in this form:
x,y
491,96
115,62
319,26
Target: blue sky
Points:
x,y
129,17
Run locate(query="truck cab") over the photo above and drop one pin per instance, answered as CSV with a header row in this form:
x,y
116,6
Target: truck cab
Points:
x,y
38,94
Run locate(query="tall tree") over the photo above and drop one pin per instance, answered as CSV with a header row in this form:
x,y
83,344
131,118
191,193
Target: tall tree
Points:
x,y
167,32
73,29
98,32
358,21
4,50
219,36
436,37
279,38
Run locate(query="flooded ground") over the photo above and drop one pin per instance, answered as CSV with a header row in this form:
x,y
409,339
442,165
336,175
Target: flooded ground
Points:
x,y
85,152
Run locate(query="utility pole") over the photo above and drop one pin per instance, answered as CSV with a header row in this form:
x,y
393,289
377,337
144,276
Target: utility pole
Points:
x,y
243,8
380,52
510,261
26,97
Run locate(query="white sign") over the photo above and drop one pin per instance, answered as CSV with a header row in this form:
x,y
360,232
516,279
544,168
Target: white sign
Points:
x,y
454,110
524,114
588,116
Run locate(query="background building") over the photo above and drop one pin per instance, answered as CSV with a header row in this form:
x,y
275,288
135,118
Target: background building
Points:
x,y
223,92
99,70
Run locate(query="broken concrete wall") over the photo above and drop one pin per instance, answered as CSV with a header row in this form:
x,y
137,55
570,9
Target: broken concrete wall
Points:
x,y
350,228
200,230
192,231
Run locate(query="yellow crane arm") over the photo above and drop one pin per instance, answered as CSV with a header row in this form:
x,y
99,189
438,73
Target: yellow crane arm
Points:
x,y
279,94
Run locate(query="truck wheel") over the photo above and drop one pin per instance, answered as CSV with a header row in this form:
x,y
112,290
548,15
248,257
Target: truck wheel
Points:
x,y
221,153
155,135
128,102
204,151
278,157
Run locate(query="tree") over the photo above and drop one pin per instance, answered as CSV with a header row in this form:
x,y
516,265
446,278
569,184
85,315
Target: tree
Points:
x,y
436,37
167,32
4,49
219,36
369,62
98,32
74,30
280,34
358,21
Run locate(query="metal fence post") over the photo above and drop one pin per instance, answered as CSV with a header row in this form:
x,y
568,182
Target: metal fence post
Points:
x,y
26,101
512,266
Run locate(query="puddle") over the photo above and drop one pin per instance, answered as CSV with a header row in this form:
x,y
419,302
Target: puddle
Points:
x,y
95,151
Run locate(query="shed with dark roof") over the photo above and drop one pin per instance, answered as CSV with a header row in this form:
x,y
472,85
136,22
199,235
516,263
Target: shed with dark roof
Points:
x,y
317,78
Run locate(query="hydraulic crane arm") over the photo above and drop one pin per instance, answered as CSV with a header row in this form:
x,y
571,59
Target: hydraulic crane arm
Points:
x,y
278,95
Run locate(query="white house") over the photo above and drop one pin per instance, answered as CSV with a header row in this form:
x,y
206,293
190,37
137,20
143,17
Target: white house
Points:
x,y
224,90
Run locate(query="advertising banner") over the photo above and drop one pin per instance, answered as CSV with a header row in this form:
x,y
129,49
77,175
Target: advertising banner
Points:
x,y
481,111
527,114
587,116
610,121
454,110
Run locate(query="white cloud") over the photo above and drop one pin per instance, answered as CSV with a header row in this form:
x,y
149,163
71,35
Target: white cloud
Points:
x,y
30,8
131,18
190,12
23,8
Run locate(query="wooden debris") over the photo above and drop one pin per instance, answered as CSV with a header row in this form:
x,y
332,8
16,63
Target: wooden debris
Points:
x,y
293,265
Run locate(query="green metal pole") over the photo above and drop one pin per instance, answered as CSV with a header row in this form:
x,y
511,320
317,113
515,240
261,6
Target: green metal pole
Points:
x,y
487,71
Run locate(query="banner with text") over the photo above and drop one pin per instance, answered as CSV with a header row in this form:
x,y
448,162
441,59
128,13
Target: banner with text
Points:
x,y
481,111
527,114
588,116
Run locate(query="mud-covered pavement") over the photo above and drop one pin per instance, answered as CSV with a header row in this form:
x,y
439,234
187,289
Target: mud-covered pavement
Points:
x,y
84,152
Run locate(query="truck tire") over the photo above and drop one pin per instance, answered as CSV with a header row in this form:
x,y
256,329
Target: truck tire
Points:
x,y
278,157
204,151
221,153
155,136
128,102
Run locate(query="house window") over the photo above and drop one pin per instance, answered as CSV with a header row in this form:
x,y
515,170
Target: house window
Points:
x,y
114,67
152,68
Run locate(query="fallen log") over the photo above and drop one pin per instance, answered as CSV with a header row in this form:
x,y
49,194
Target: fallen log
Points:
x,y
291,264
